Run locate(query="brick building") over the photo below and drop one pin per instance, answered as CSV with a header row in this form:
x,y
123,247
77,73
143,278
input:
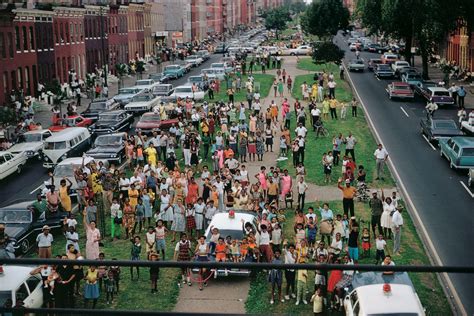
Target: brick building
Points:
x,y
136,45
7,55
117,37
459,47
45,45
96,41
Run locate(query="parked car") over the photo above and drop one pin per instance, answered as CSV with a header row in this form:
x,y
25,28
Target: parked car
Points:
x,y
126,94
356,65
70,121
112,122
204,54
224,66
300,50
399,64
110,147
150,122
147,84
71,142
201,81
389,58
174,71
142,103
211,74
17,283
163,90
373,62
11,163
400,90
438,95
221,49
98,106
187,66
354,47
413,79
159,77
468,126
459,151
31,143
194,60
434,129
187,92
407,70
383,71
375,48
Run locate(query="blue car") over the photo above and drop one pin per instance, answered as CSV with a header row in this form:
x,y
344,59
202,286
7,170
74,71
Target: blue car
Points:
x,y
174,71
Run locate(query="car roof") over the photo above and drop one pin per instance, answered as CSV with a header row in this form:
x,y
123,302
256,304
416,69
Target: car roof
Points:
x,y
66,134
464,141
224,222
114,112
18,205
151,114
41,131
402,299
437,89
13,276
76,161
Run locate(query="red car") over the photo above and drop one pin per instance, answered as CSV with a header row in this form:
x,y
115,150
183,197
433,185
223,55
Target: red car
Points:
x,y
150,122
400,90
70,121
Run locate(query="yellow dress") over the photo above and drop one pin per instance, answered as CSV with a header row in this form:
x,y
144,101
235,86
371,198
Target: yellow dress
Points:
x,y
314,92
65,198
151,152
133,197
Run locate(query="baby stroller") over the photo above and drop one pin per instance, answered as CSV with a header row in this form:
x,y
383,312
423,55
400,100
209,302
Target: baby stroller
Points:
x,y
362,193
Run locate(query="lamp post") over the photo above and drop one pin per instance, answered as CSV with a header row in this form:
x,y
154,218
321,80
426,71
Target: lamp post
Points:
x,y
102,36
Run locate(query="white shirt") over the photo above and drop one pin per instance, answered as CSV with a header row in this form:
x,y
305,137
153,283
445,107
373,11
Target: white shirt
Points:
x,y
71,222
332,84
264,238
381,153
312,215
124,184
315,112
397,219
302,186
301,130
380,244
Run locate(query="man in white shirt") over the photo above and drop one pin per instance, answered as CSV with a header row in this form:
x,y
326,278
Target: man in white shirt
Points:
x,y
315,114
301,130
332,88
397,223
301,187
381,156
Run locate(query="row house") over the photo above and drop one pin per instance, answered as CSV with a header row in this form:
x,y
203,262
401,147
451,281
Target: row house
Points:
x,y
96,39
147,38
136,39
118,36
459,47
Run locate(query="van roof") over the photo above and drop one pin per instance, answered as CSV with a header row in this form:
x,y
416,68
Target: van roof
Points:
x,y
76,161
66,134
402,299
13,276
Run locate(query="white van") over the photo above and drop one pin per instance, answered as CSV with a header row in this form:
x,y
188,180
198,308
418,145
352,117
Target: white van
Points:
x,y
16,282
71,142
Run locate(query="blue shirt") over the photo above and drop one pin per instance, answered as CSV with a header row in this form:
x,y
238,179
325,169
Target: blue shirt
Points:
x,y
325,215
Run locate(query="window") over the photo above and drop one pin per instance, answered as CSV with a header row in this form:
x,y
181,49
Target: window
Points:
x,y
10,44
71,32
3,48
33,282
25,38
32,38
17,38
7,157
22,292
5,82
61,33
27,80
20,78
456,149
13,76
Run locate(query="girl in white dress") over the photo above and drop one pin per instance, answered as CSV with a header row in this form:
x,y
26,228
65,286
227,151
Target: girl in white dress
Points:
x,y
386,219
166,210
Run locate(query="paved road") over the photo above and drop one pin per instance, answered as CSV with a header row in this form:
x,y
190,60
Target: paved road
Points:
x,y
24,186
441,202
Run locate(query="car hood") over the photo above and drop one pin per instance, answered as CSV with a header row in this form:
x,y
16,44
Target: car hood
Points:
x,y
20,147
137,104
148,124
447,132
124,96
104,150
16,230
104,124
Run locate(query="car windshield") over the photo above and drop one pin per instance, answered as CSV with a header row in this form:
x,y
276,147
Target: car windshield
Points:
x,y
108,117
441,93
161,89
64,171
358,62
108,140
174,67
183,90
29,138
15,216
150,118
384,67
468,152
235,234
141,98
401,87
128,91
55,145
97,106
219,65
143,82
156,76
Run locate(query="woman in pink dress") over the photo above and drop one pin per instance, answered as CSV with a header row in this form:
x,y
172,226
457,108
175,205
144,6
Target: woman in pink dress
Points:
x,y
262,178
93,238
220,155
253,123
286,184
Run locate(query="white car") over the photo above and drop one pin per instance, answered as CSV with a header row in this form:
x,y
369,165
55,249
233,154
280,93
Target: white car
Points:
x,y
396,66
194,60
184,92
146,83
468,126
301,50
10,163
231,226
142,103
225,66
215,73
65,169
32,143
16,282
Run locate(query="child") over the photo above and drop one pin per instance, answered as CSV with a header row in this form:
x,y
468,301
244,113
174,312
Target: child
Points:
x,y
154,273
214,239
160,233
101,271
365,242
116,215
135,254
301,281
380,245
343,110
345,227
116,273
244,247
235,251
300,235
289,199
338,226
150,240
110,286
311,231
318,302
276,277
221,250
51,280
283,146
140,215
277,237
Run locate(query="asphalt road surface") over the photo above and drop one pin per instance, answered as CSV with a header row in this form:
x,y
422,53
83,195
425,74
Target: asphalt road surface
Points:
x,y
26,185
443,204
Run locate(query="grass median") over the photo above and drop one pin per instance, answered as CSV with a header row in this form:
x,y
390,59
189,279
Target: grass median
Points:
x,y
264,80
427,285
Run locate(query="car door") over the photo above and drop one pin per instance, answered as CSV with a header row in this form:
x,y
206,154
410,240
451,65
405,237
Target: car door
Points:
x,y
9,165
36,291
23,293
3,167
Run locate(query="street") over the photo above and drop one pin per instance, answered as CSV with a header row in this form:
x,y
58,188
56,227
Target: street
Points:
x,y
440,201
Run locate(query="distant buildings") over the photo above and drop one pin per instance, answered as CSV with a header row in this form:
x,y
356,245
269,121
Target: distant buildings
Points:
x,y
459,47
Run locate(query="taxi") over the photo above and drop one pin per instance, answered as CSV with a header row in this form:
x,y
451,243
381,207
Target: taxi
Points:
x,y
16,283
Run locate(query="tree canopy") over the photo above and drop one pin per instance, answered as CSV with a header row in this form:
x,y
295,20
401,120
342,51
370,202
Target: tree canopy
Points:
x,y
324,18
327,52
276,19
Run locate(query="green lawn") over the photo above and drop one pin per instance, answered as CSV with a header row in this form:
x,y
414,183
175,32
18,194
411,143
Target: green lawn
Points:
x,y
265,81
132,295
426,284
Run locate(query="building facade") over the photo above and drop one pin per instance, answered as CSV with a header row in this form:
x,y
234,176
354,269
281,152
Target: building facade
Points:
x,y
459,47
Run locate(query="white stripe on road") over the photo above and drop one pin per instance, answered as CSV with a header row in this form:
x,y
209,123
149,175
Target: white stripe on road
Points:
x,y
375,77
405,112
467,189
36,190
432,248
429,143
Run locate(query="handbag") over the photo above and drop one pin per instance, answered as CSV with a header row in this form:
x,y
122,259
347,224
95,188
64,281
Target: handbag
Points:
x,y
326,227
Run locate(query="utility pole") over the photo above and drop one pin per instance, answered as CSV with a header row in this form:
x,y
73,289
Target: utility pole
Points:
x,y
104,55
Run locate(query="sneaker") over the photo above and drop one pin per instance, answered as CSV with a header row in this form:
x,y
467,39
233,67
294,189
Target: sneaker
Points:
x,y
297,303
282,300
293,295
271,302
287,297
305,302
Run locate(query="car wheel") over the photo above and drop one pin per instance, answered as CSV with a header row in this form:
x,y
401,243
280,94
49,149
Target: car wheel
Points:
x,y
451,165
24,246
40,156
292,54
18,169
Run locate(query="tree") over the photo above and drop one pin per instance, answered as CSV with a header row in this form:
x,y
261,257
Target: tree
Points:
x,y
140,68
122,70
276,19
327,52
324,18
369,12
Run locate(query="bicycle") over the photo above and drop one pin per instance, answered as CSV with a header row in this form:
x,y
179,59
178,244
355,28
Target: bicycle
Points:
x,y
321,130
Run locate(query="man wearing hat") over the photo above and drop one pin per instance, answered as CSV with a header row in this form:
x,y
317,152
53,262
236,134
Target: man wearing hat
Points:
x,y
348,194
44,241
4,241
397,223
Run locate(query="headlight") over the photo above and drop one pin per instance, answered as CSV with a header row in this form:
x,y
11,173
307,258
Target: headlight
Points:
x,y
113,155
46,158
30,153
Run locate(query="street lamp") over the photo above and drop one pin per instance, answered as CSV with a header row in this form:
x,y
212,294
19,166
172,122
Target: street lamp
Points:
x,y
103,35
